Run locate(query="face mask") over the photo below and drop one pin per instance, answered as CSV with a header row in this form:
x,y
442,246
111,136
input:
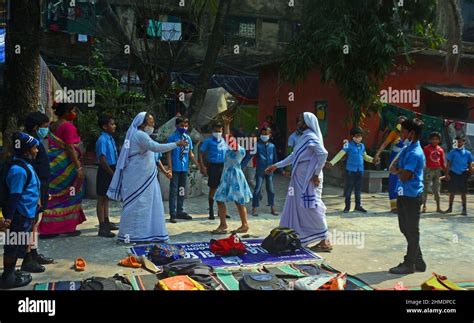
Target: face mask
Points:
x,y
182,130
217,135
265,138
149,130
71,116
42,133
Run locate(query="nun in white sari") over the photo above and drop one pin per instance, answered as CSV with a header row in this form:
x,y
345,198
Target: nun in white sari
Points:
x,y
135,183
304,210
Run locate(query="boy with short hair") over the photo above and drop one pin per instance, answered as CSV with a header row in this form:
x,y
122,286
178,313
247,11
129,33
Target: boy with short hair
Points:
x,y
214,148
36,125
178,164
266,156
356,155
459,168
107,155
409,168
434,156
22,206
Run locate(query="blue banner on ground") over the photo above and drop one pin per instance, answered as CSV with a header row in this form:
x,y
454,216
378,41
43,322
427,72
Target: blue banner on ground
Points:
x,y
255,254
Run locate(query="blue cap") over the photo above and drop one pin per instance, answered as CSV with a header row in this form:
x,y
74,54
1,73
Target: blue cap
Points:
x,y
22,141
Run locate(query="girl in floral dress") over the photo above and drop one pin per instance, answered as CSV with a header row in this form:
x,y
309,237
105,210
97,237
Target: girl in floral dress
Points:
x,y
233,186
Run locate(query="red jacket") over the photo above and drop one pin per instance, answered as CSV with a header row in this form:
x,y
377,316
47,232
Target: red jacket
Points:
x,y
434,157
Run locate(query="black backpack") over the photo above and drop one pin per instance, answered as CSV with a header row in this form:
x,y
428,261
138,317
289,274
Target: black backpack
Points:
x,y
261,281
193,268
282,239
100,283
5,166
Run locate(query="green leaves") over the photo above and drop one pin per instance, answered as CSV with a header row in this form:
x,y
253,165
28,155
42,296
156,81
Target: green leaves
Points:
x,y
372,31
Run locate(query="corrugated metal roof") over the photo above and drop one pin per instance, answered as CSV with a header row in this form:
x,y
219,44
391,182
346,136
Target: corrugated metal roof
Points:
x,y
450,90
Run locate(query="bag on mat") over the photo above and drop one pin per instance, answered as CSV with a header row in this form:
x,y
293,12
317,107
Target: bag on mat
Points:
x,y
179,283
282,239
231,246
324,281
162,254
261,281
438,282
100,283
193,268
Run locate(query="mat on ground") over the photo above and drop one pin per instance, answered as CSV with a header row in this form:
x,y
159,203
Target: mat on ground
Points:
x,y
255,254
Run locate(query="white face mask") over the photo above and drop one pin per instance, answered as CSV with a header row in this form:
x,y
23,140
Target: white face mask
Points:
x,y
265,138
149,130
217,135
357,140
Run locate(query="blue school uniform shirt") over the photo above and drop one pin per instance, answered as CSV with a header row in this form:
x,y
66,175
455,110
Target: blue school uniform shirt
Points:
x,y
411,159
180,164
105,146
460,159
215,150
266,157
355,156
16,179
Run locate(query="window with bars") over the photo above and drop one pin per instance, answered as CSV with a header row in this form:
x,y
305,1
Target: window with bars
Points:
x,y
241,31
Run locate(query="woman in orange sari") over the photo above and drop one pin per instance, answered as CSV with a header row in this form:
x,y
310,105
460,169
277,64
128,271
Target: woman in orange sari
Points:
x,y
64,211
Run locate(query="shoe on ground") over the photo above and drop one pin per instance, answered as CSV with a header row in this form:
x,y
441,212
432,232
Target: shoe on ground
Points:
x,y
254,214
227,216
48,236
346,209
420,265
212,217
448,211
464,212
15,280
360,209
43,260
74,233
106,233
113,226
32,267
184,216
173,220
402,269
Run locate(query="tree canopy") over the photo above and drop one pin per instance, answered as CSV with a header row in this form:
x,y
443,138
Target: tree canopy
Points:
x,y
354,44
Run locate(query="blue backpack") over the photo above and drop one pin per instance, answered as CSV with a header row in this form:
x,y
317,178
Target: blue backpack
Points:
x,y
161,254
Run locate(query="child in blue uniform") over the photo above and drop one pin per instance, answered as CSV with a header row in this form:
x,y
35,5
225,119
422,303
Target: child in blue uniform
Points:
x,y
460,168
356,155
22,206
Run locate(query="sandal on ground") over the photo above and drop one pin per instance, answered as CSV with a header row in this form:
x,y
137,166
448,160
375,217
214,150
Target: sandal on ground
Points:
x,y
321,248
241,230
275,213
80,264
219,231
130,261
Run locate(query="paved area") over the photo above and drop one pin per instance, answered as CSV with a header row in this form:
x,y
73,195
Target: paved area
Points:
x,y
366,245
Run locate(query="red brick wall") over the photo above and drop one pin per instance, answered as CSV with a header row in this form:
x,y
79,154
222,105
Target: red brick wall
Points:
x,y
426,69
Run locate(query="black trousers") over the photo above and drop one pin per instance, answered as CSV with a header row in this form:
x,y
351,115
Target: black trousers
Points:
x,y
409,223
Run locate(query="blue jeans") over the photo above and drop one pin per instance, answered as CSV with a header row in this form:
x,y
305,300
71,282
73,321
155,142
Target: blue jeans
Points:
x,y
177,191
257,196
353,182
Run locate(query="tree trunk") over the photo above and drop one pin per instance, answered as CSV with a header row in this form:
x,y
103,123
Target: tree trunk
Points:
x,y
214,45
22,64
